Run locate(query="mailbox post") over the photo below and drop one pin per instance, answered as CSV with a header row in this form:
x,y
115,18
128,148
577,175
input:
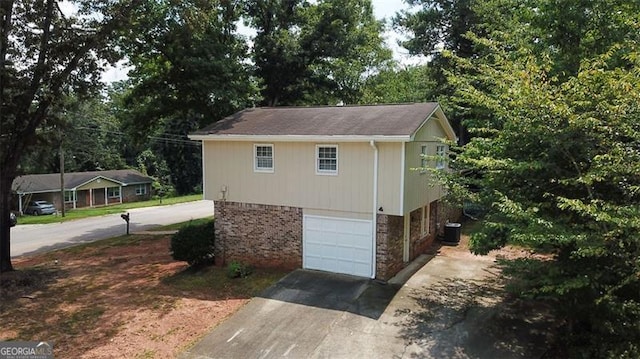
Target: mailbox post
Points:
x,y
126,218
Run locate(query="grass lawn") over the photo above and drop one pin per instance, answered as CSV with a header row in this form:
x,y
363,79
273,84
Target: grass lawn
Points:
x,y
100,211
123,297
175,226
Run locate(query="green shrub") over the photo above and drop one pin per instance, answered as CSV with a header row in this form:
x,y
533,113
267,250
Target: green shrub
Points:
x,y
193,243
237,269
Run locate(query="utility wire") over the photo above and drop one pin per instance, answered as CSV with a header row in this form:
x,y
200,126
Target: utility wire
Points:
x,y
153,138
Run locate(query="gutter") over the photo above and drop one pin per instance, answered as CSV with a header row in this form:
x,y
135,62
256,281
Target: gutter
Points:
x,y
300,138
374,219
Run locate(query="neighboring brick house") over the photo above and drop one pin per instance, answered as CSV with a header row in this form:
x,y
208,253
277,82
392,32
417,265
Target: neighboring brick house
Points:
x,y
327,188
83,189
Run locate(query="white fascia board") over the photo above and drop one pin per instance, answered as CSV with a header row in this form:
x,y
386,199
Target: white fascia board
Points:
x,y
36,192
438,114
100,177
300,138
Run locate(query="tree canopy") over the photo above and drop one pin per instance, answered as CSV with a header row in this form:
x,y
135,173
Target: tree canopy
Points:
x,y
45,55
555,161
189,70
315,53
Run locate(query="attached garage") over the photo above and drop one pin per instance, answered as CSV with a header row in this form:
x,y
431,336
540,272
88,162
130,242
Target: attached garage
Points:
x,y
340,245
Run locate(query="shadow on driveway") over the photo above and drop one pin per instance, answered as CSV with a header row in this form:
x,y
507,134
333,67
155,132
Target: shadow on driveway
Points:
x,y
474,319
298,317
345,293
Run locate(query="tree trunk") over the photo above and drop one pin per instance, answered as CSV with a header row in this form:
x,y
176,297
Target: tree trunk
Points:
x,y
6,179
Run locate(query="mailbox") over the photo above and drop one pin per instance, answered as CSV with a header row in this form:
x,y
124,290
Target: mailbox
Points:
x,y
126,217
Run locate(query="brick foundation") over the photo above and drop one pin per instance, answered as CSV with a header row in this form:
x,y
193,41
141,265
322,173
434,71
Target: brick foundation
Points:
x,y
260,235
419,243
390,236
389,245
271,236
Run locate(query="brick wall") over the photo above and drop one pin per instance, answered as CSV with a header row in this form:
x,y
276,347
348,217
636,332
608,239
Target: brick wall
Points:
x,y
261,235
271,236
418,242
442,213
389,246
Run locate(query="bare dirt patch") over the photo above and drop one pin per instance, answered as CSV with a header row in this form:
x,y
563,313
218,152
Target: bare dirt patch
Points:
x,y
119,298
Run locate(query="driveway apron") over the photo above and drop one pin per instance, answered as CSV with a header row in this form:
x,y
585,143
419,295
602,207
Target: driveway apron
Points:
x,y
447,309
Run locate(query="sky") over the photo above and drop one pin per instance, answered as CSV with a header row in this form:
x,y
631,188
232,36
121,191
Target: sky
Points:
x,y
383,9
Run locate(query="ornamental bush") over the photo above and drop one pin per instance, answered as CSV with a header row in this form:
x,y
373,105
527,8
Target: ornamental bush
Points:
x,y
193,243
237,269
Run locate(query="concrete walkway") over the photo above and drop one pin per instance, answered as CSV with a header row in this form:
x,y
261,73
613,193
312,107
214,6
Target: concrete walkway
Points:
x,y
450,308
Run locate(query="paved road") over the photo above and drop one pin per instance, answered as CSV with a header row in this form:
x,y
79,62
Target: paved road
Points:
x,y
37,238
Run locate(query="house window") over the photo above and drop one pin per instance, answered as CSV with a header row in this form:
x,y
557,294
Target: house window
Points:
x,y
141,190
263,160
327,159
424,223
441,151
423,159
68,197
113,192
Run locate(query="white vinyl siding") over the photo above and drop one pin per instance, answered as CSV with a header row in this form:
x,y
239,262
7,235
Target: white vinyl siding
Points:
x,y
263,158
420,189
326,159
229,174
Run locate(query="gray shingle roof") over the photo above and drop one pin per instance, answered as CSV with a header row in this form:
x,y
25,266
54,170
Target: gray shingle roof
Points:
x,y
368,120
51,181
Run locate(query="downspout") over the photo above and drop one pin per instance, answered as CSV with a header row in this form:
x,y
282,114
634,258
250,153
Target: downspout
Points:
x,y
204,190
374,222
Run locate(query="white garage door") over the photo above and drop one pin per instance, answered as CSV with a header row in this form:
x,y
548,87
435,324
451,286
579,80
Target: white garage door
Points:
x,y
338,245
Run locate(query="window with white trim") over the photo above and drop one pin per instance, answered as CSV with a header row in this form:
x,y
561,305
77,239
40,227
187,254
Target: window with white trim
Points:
x,y
68,196
441,151
263,158
424,224
113,192
326,159
141,189
423,159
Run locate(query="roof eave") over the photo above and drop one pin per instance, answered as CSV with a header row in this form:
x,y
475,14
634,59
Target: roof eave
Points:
x,y
444,121
301,138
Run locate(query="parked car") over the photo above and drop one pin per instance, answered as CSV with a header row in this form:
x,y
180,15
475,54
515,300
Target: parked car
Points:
x,y
37,208
13,219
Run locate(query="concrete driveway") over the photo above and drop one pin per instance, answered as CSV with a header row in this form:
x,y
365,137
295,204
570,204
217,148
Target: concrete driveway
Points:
x,y
452,307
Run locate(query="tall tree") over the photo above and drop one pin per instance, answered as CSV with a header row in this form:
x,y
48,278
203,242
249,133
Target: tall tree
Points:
x,y
45,54
398,85
556,164
436,27
277,53
89,135
189,71
315,53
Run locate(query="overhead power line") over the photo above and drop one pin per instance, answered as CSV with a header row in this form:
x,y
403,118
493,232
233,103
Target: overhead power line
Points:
x,y
163,138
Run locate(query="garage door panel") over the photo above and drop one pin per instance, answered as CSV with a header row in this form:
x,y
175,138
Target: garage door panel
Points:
x,y
338,245
362,255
